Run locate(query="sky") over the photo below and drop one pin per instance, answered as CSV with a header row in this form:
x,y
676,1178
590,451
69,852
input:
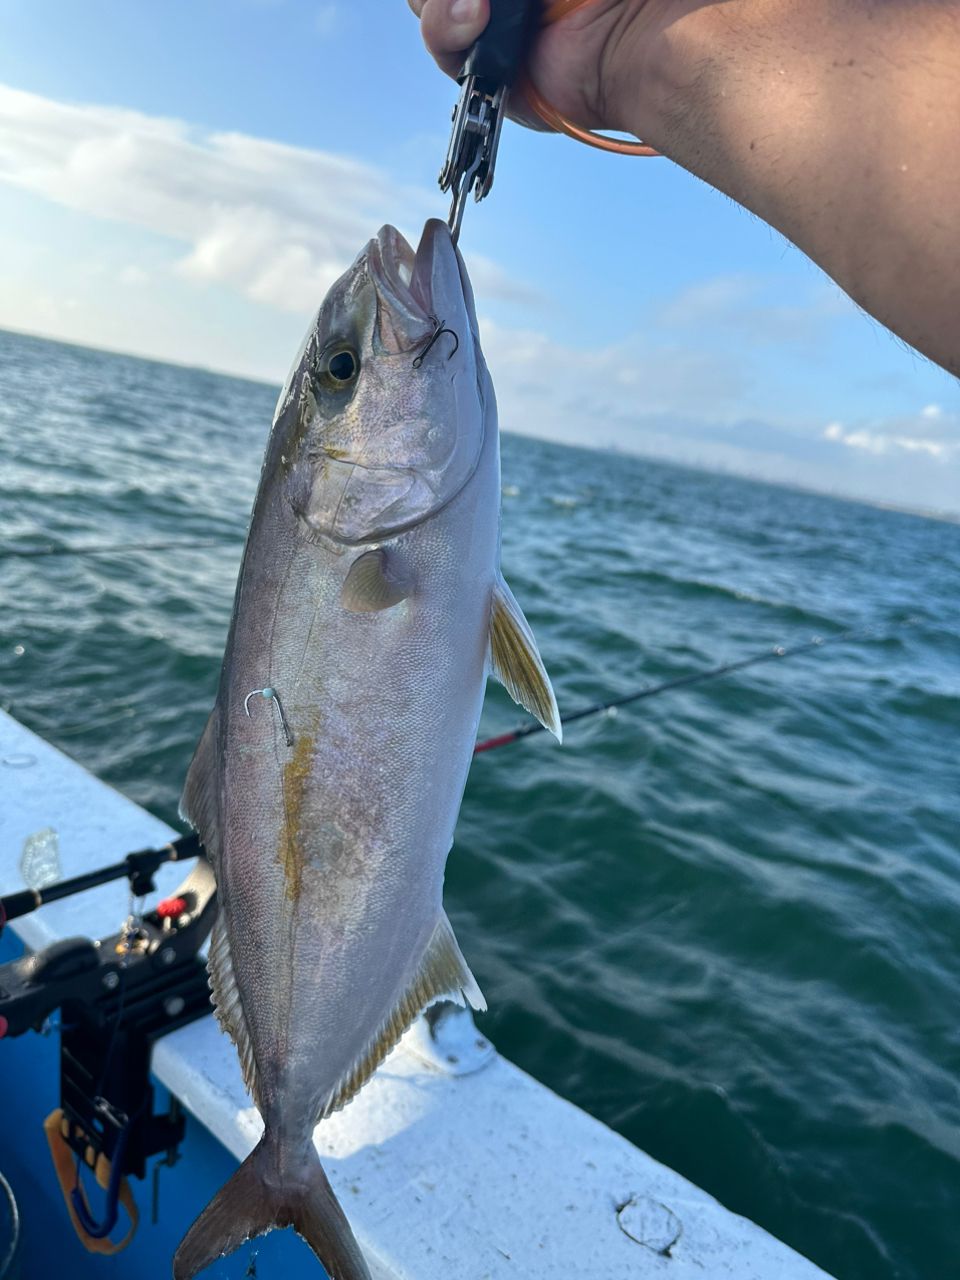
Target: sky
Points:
x,y
185,180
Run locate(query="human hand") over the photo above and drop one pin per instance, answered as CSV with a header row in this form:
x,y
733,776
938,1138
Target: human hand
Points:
x,y
835,123
576,62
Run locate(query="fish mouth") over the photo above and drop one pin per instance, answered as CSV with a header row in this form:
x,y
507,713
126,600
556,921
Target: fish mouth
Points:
x,y
425,286
428,439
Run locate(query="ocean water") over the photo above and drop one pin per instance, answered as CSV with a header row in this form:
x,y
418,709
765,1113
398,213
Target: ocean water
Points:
x,y
726,921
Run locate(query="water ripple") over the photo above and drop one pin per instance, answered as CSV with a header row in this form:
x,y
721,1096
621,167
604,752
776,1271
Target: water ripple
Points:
x,y
725,921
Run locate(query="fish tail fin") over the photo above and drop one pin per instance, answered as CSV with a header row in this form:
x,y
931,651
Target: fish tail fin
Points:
x,y
318,1219
241,1209
252,1203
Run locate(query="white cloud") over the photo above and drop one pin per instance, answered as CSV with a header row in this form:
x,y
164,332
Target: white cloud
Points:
x,y
892,436
490,280
326,19
753,307
869,441
934,448
133,276
277,222
687,402
600,393
706,301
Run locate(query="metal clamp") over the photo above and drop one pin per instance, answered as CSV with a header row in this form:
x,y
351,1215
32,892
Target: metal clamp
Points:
x,y
472,153
491,67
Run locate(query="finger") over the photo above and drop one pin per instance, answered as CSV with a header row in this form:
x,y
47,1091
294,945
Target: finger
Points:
x,y
416,6
450,27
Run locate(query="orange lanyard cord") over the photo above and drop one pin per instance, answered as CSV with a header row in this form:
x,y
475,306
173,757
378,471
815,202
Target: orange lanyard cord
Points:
x,y
551,116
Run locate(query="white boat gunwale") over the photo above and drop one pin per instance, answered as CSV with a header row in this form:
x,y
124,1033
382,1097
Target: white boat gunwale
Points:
x,y
487,1175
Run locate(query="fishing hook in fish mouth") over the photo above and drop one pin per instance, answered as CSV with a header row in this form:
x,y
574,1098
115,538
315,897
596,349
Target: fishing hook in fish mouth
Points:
x,y
272,696
439,328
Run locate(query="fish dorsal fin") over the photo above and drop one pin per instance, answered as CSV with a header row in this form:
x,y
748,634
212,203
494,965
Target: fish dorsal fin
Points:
x,y
516,661
373,583
200,802
227,1004
442,974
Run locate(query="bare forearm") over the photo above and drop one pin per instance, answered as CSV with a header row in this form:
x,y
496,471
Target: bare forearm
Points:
x,y
836,122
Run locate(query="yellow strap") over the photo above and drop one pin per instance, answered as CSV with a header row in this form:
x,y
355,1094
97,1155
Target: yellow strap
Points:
x,y
64,1164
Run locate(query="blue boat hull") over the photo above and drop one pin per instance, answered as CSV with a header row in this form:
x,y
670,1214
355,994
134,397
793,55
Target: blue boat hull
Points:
x,y
49,1249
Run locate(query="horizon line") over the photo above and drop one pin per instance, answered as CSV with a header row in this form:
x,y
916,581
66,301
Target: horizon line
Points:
x,y
944,516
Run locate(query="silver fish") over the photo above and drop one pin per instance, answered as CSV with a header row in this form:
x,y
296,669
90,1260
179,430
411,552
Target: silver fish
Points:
x,y
327,782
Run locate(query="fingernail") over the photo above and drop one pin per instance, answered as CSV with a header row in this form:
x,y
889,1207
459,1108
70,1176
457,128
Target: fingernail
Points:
x,y
464,10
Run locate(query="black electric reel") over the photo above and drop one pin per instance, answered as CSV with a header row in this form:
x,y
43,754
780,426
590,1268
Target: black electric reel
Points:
x,y
116,997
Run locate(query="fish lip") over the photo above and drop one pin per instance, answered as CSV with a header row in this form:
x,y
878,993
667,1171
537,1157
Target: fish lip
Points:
x,y
437,266
388,256
434,268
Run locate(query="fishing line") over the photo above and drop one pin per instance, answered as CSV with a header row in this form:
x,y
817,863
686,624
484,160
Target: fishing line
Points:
x,y
147,861
526,730
683,682
115,548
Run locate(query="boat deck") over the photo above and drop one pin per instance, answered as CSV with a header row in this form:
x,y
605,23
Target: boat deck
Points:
x,y
478,1176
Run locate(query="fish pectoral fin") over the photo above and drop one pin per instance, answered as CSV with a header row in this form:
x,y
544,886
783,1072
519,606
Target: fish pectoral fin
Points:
x,y
516,662
200,802
374,582
443,974
228,1008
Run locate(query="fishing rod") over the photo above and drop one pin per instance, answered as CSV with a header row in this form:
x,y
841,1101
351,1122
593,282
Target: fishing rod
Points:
x,y
139,868
128,989
680,682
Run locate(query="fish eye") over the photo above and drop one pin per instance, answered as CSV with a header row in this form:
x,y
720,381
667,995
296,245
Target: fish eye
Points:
x,y
343,367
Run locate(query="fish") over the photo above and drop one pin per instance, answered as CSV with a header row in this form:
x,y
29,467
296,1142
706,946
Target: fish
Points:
x,y
369,610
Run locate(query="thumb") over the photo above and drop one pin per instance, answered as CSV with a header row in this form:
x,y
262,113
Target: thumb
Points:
x,y
450,27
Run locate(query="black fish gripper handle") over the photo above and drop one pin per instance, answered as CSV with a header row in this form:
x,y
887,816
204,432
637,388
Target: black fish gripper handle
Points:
x,y
499,52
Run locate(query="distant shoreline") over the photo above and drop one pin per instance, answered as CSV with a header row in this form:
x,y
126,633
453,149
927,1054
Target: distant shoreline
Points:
x,y
878,504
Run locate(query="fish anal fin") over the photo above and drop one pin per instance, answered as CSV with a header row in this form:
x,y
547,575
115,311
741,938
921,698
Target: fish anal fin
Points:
x,y
443,975
200,802
228,1007
374,582
516,660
